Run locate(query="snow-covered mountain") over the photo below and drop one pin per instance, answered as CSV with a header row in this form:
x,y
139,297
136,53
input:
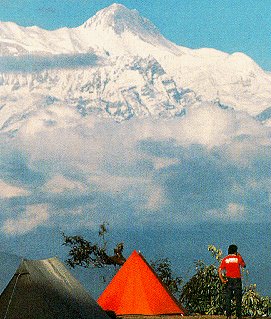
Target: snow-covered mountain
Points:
x,y
115,30
127,87
118,65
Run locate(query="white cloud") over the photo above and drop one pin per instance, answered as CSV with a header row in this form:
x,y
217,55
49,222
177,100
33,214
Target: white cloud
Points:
x,y
33,216
49,119
9,191
162,162
236,211
209,126
60,184
118,184
233,212
155,199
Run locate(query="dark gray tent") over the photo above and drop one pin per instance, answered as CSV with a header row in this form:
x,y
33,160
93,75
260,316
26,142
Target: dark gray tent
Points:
x,y
45,289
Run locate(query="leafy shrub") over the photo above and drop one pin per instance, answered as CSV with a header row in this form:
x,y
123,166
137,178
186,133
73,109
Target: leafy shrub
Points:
x,y
163,269
253,304
203,293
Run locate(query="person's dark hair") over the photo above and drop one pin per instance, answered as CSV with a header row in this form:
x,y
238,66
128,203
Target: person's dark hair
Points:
x,y
232,249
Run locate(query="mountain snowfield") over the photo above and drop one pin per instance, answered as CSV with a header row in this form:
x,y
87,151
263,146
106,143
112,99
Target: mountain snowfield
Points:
x,y
117,65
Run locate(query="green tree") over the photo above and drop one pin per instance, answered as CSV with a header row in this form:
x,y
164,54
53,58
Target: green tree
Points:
x,y
203,293
85,253
253,304
163,269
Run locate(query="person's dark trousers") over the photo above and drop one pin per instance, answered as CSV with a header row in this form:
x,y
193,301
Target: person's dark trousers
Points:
x,y
233,289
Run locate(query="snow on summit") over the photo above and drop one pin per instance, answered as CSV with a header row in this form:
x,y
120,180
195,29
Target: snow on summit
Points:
x,y
119,30
121,19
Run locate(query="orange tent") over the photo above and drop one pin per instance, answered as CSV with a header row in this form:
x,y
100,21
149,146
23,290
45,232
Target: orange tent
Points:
x,y
137,290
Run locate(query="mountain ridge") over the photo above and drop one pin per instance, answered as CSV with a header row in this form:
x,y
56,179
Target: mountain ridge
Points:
x,y
141,72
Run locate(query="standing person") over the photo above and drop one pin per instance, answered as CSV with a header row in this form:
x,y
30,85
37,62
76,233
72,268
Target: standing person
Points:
x,y
230,274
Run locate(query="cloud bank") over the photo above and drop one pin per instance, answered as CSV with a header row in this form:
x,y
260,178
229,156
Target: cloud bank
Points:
x,y
211,165
32,217
34,63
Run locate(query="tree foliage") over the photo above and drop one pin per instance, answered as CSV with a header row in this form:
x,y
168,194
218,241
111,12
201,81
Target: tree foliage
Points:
x,y
85,253
203,293
163,269
255,305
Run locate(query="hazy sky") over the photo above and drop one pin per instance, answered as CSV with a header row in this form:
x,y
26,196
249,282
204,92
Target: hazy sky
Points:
x,y
227,25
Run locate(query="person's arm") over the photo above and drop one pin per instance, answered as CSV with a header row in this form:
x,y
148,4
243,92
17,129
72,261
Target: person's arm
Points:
x,y
221,276
241,261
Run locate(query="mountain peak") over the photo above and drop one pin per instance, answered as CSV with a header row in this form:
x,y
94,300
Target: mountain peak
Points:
x,y
116,7
120,19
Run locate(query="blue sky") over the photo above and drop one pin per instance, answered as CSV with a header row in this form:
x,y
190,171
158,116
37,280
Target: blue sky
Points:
x,y
230,26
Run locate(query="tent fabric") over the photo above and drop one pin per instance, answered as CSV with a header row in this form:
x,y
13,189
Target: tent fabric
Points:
x,y
137,290
45,289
